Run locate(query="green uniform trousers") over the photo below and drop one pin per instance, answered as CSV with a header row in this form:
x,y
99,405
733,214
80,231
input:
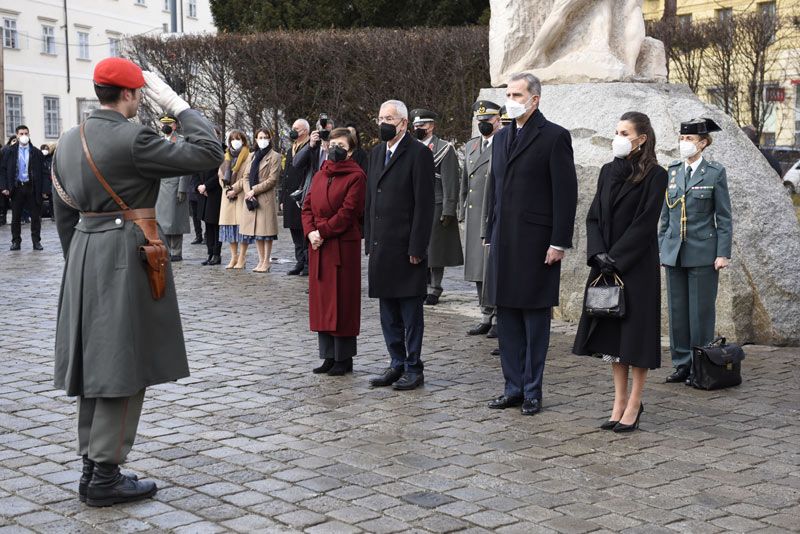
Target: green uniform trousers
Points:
x,y
107,427
692,298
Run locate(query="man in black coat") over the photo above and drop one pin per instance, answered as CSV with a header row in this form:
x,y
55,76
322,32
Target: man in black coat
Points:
x,y
22,181
292,180
530,225
397,229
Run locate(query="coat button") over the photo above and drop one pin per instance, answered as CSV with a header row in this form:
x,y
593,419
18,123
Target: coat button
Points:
x,y
470,190
470,206
118,221
375,243
379,190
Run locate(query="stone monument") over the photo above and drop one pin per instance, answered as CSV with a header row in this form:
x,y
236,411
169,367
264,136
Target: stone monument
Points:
x,y
759,294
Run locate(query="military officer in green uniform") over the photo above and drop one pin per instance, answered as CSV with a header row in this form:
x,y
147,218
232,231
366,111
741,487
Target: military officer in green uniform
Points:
x,y
444,249
115,334
695,238
474,188
172,209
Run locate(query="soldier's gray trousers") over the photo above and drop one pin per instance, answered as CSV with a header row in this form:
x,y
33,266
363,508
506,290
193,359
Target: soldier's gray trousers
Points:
x,y
435,285
107,427
692,298
487,312
175,244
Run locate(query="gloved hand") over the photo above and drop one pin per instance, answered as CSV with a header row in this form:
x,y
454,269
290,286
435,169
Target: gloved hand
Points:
x,y
446,220
605,263
181,198
163,94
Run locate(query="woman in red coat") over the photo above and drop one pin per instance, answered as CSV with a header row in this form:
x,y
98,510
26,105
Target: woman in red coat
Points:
x,y
332,214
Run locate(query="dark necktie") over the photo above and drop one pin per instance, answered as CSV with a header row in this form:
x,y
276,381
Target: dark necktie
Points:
x,y
388,157
688,175
484,145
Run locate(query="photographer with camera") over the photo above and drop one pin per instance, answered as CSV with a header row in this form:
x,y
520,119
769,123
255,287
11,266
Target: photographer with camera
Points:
x,y
308,161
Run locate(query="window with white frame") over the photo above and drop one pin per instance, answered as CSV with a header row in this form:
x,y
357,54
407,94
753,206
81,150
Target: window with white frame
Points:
x,y
83,45
193,9
114,48
13,113
10,36
48,39
52,117
85,107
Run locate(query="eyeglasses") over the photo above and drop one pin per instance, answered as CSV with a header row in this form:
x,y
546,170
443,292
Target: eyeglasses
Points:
x,y
390,120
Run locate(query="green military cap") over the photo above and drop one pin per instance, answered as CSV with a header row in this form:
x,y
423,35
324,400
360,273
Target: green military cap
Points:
x,y
485,109
167,119
421,116
699,127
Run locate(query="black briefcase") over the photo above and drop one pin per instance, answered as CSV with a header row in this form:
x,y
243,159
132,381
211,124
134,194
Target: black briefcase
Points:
x,y
717,365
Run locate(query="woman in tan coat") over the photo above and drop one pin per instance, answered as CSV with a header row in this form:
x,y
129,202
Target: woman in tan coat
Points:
x,y
230,172
258,214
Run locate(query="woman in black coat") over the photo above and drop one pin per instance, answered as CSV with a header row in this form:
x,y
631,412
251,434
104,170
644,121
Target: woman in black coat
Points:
x,y
621,229
208,211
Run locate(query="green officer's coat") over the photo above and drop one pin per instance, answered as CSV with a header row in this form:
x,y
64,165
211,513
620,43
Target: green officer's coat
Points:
x,y
709,228
474,180
444,249
112,338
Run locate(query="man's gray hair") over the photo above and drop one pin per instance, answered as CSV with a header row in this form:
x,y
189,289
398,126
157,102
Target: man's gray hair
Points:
x,y
303,123
534,84
401,108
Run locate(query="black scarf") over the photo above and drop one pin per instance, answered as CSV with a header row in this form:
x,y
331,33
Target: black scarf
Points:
x,y
621,169
257,157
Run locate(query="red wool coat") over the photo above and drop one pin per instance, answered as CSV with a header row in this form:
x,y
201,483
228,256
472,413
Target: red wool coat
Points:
x,y
334,205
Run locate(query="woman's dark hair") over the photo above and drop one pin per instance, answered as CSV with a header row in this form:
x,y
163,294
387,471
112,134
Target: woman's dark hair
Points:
x,y
644,158
339,133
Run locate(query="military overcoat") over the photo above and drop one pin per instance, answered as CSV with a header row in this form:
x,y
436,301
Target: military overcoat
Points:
x,y
474,188
112,338
445,247
173,216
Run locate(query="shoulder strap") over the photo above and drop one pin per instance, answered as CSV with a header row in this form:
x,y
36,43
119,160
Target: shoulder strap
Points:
x,y
97,173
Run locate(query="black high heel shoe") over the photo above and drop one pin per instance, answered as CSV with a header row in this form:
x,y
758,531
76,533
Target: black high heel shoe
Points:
x,y
609,425
619,427
327,363
341,368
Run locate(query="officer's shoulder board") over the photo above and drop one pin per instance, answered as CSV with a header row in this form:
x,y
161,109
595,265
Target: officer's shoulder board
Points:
x,y
714,165
675,163
473,143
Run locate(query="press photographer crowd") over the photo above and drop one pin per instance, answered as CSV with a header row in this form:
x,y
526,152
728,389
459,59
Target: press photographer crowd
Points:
x,y
123,196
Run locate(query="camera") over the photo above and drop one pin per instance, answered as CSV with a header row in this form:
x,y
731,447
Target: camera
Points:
x,y
324,133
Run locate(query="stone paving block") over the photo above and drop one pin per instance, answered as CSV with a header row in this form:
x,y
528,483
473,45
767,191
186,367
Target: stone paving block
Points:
x,y
171,520
14,506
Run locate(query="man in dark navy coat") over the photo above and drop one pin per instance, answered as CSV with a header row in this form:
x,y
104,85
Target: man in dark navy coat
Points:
x,y
398,220
530,225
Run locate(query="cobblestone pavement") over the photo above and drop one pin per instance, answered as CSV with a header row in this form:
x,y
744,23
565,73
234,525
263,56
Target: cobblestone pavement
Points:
x,y
253,442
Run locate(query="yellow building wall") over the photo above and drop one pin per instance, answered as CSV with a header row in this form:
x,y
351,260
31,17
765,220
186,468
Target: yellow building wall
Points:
x,y
785,124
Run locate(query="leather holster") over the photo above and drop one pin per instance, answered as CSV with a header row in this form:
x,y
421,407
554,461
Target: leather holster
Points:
x,y
155,256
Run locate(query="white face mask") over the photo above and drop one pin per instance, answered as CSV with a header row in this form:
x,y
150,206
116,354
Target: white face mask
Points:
x,y
516,110
236,144
23,139
621,147
688,149
45,152
262,143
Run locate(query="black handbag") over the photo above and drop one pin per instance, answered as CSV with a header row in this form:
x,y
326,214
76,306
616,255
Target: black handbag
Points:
x,y
717,365
251,203
603,300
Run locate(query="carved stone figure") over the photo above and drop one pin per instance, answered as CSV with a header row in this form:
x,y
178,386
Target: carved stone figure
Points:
x,y
571,41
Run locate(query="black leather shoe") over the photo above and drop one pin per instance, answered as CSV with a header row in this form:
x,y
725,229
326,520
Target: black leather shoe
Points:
x,y
431,300
296,270
679,375
197,241
327,363
304,272
492,332
502,402
38,246
175,258
15,246
531,407
207,262
389,377
480,329
341,368
619,427
495,352
409,381
215,260
609,425
109,487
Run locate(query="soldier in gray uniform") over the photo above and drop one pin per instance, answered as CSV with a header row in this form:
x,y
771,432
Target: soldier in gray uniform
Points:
x,y
444,249
172,209
474,188
117,333
695,238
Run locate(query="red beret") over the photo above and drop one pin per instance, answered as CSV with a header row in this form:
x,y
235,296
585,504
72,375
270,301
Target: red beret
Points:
x,y
118,72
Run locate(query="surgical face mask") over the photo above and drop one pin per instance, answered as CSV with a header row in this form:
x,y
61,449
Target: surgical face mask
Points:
x,y
23,139
236,144
262,143
45,152
516,110
621,147
688,149
388,131
337,153
485,128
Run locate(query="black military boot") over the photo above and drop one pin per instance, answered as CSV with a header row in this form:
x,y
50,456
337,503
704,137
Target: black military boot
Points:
x,y
109,487
86,477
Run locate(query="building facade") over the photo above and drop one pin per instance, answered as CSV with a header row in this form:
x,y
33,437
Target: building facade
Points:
x,y
50,48
781,96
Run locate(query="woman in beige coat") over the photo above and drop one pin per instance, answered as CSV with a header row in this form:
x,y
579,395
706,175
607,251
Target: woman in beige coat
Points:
x,y
258,181
230,172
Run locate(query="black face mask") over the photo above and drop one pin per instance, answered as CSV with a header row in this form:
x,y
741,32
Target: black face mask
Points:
x,y
293,135
167,129
337,153
388,131
485,128
420,133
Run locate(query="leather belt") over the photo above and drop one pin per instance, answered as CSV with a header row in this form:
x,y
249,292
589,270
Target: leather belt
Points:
x,y
128,215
